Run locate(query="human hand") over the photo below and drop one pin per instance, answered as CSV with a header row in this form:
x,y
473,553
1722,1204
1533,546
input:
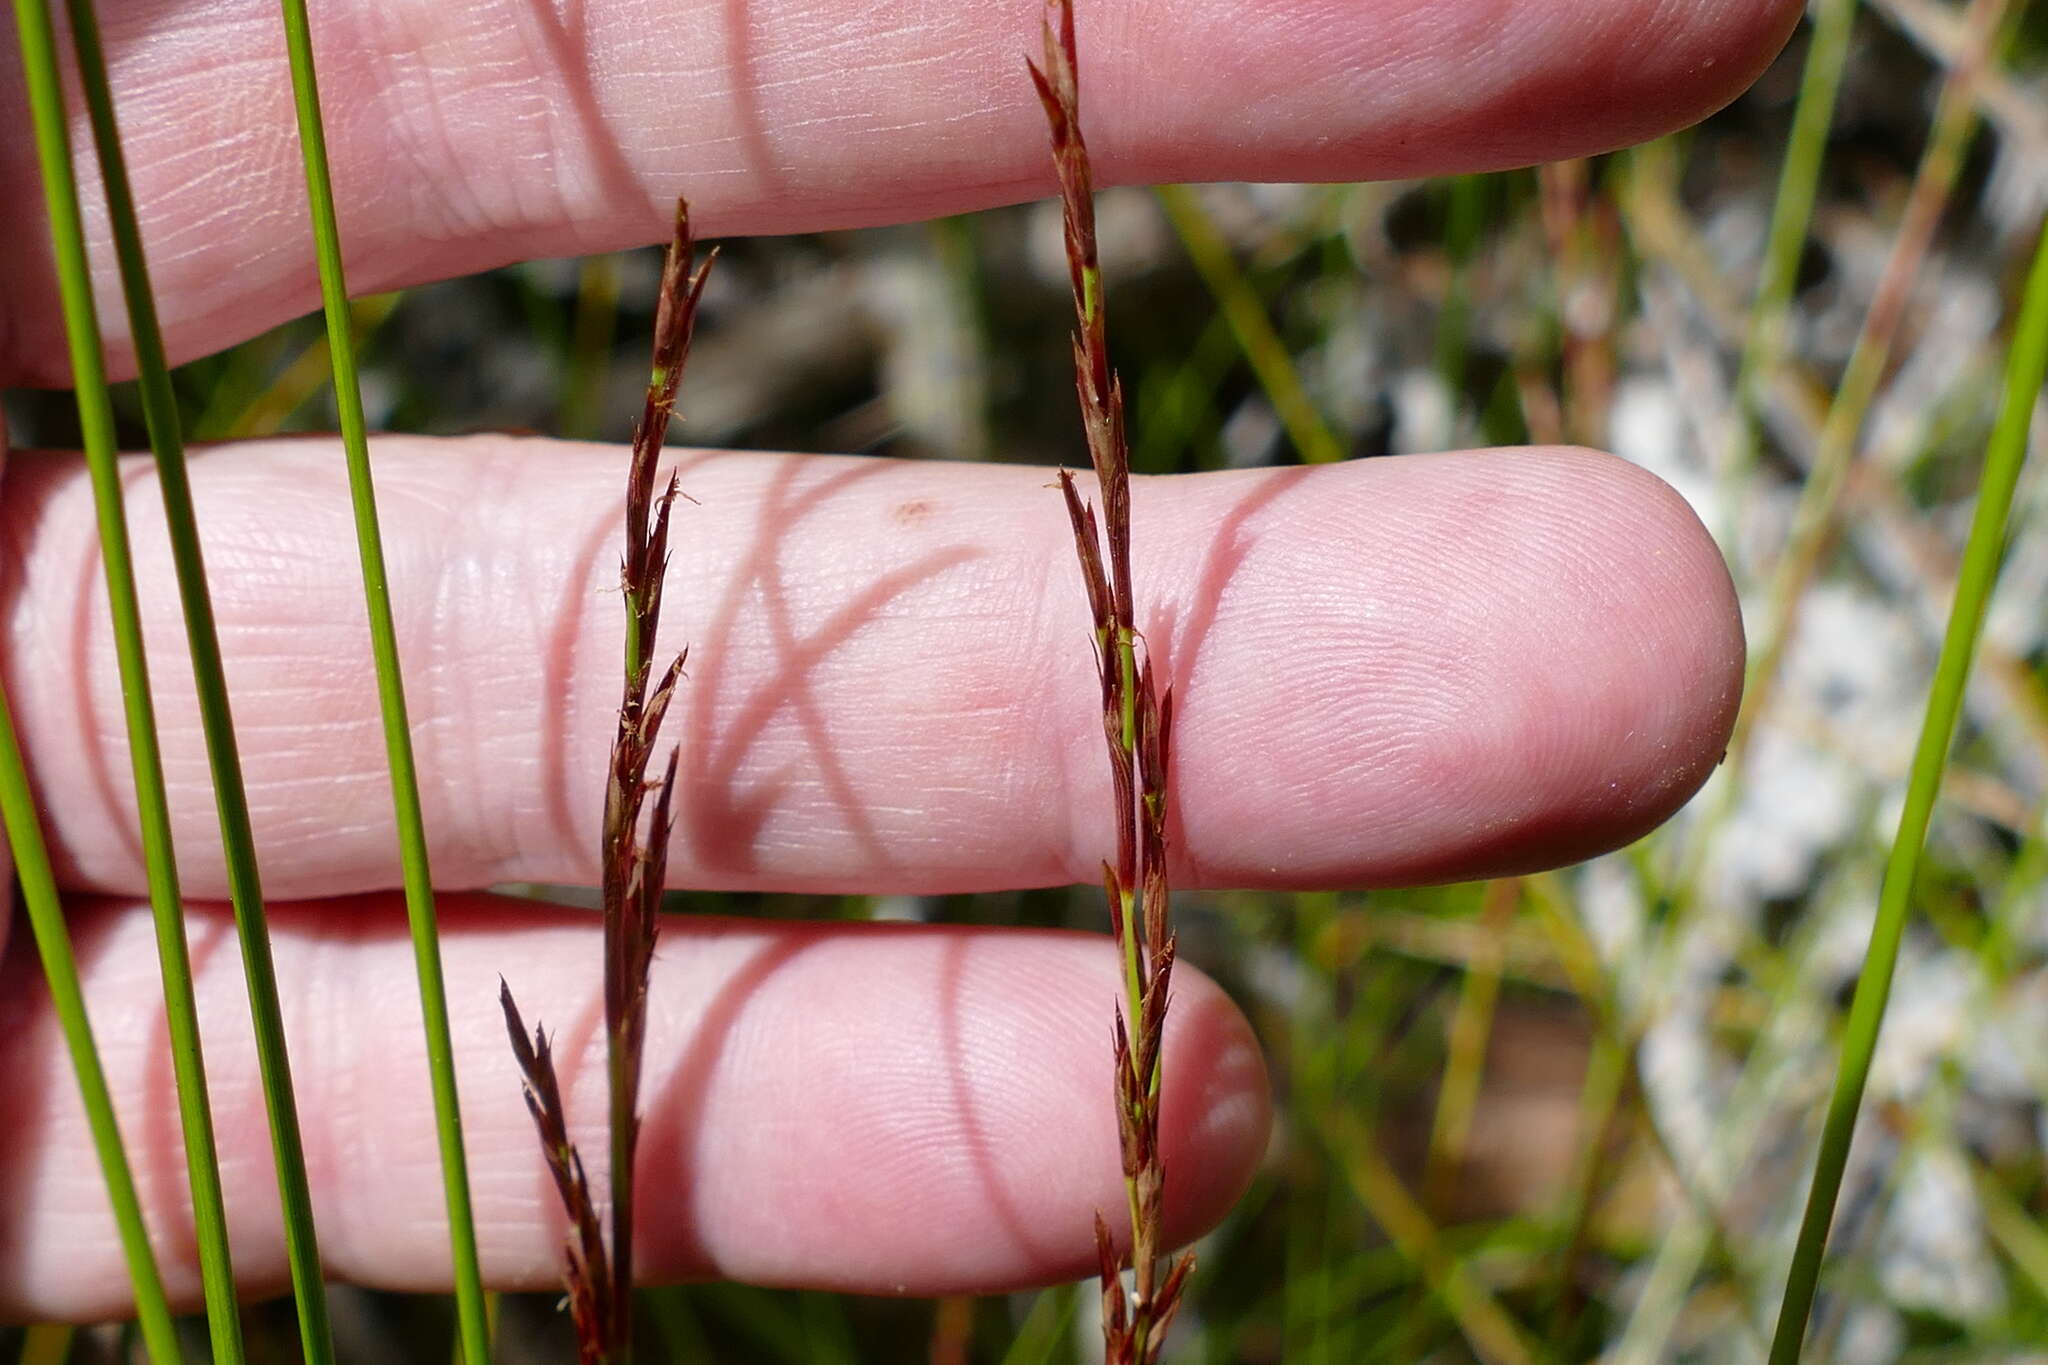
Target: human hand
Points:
x,y
1416,669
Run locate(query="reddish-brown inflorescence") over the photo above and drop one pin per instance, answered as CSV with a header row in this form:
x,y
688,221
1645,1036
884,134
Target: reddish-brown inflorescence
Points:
x,y
635,857
587,1272
1137,719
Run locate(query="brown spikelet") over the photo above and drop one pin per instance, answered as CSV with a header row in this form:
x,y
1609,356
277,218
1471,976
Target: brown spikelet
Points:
x,y
1115,1310
1113,889
586,1275
1167,1303
1137,723
635,850
634,854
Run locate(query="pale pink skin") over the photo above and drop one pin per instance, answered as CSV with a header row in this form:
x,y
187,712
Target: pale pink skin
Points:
x,y
1416,669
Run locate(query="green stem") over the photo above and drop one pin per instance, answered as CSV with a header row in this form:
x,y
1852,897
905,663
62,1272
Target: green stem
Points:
x,y
96,424
1791,215
1454,320
1495,1337
47,1344
2026,366
1131,895
591,331
1816,515
1249,322
1465,1047
473,1324
161,414
60,969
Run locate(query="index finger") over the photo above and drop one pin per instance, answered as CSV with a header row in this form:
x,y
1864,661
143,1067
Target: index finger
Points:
x,y
468,136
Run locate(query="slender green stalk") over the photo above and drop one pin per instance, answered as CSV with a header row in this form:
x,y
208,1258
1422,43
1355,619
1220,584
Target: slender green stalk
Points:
x,y
473,1323
96,424
47,1344
1044,1329
1493,1334
1820,497
1601,1109
1249,322
1791,214
1465,1048
2026,367
1454,320
243,405
491,1307
955,240
677,1325
60,969
160,411
592,328
2012,1227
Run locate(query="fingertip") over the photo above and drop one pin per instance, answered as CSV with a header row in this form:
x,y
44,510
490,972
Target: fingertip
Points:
x,y
961,1133
1660,672
1216,1117
801,116
872,1109
1444,667
1330,90
1629,672
1673,63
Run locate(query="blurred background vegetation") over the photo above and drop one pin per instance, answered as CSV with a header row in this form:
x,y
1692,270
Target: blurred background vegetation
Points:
x,y
1556,1118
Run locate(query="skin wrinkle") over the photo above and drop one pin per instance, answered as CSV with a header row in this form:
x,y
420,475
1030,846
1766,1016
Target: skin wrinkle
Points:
x,y
853,727
462,140
1531,521
440,67
1337,90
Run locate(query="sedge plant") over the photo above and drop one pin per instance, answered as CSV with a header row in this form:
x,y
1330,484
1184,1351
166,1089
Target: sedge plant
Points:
x,y
41,68
634,859
38,885
1137,719
472,1311
2026,369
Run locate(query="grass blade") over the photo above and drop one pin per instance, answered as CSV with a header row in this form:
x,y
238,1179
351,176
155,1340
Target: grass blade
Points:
x,y
2026,367
592,329
160,411
1249,322
47,1344
1495,1337
60,969
1045,1328
1470,1032
472,1319
96,425
1818,511
1791,214
40,65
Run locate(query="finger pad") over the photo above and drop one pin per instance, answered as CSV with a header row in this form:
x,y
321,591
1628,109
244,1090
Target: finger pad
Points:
x,y
1492,662
938,1118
